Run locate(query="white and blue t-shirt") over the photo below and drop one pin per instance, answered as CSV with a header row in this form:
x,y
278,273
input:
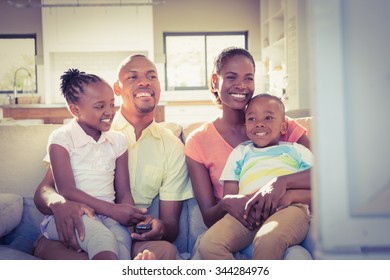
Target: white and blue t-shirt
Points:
x,y
253,167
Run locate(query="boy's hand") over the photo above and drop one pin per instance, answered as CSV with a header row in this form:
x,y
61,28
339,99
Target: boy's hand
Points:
x,y
265,201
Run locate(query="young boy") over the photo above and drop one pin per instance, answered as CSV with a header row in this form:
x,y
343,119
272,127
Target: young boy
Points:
x,y
250,166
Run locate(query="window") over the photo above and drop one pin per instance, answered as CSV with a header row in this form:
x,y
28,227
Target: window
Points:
x,y
18,67
190,56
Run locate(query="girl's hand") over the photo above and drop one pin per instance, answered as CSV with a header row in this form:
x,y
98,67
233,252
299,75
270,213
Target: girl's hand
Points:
x,y
127,214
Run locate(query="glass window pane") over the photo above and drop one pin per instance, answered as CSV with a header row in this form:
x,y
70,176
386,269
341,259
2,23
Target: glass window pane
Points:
x,y
185,61
215,44
17,53
190,57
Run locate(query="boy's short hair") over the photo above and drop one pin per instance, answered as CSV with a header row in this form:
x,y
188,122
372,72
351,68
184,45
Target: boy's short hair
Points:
x,y
260,95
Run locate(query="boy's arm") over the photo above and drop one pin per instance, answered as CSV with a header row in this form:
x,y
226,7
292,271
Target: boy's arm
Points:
x,y
231,190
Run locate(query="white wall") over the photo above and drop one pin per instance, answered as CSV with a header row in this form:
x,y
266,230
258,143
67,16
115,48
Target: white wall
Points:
x,y
94,39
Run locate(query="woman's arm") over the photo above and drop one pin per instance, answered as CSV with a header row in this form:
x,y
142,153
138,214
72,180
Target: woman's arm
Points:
x,y
203,190
304,140
265,201
295,196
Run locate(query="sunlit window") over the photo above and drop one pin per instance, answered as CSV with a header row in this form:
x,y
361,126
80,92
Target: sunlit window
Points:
x,y
18,67
190,56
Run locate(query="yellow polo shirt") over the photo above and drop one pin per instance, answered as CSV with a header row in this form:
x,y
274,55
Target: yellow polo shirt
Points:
x,y
156,163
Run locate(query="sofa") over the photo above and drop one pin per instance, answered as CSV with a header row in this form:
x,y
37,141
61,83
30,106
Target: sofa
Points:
x,y
22,148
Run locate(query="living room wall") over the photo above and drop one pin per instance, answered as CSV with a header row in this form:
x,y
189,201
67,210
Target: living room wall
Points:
x,y
207,16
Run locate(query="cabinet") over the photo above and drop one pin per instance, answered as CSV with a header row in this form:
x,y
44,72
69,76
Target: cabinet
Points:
x,y
284,51
56,113
273,43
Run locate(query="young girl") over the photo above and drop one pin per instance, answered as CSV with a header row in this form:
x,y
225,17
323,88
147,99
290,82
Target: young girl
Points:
x,y
89,165
208,147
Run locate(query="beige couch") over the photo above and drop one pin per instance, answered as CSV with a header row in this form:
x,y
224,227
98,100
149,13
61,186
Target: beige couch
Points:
x,y
22,148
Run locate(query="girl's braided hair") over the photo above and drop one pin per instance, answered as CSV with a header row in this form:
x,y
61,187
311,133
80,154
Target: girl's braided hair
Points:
x,y
73,83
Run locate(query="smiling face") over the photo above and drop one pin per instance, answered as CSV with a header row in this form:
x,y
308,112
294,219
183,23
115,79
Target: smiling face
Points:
x,y
138,85
95,109
265,121
235,82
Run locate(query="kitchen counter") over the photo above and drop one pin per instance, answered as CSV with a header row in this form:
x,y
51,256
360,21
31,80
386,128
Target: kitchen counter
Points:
x,y
53,113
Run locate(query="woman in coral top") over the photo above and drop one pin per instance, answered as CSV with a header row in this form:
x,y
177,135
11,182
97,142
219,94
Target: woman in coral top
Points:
x,y
208,147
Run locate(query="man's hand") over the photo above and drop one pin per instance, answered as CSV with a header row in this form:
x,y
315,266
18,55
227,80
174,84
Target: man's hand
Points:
x,y
68,221
156,233
265,201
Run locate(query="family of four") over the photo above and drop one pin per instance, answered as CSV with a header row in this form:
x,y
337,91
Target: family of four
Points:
x,y
248,169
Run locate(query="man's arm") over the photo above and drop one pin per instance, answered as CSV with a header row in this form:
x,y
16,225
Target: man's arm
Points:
x,y
170,216
67,213
45,194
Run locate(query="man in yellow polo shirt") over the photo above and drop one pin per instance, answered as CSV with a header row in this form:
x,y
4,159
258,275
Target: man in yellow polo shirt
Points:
x,y
156,165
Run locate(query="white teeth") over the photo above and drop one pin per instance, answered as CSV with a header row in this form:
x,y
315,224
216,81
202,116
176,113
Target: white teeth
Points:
x,y
261,133
238,95
106,120
143,94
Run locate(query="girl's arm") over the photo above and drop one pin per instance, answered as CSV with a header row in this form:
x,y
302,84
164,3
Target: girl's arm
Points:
x,y
64,178
122,181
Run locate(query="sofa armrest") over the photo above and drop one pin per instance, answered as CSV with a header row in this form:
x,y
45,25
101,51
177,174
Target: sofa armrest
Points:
x,y
11,209
23,237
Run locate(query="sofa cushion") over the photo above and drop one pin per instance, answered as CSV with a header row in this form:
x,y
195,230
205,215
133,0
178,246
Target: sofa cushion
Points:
x,y
305,122
24,148
11,209
7,253
23,237
174,127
